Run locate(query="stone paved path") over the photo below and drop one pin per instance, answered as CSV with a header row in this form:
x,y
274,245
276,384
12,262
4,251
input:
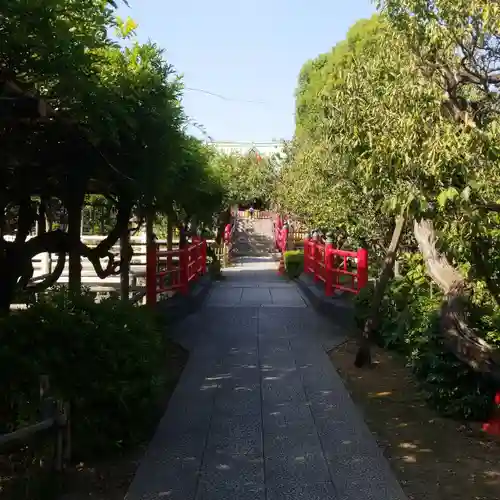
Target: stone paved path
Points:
x,y
259,412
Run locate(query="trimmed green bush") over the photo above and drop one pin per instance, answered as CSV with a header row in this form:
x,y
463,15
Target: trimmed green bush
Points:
x,y
108,359
294,263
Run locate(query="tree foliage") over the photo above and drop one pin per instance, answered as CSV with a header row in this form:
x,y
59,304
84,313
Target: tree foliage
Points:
x,y
401,120
84,114
246,178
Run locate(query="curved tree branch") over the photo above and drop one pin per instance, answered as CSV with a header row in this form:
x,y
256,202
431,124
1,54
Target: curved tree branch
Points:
x,y
49,280
458,336
122,222
59,242
438,267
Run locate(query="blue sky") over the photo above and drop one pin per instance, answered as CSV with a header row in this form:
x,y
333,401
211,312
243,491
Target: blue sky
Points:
x,y
243,51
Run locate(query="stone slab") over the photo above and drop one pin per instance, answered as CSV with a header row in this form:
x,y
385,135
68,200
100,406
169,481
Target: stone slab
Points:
x,y
260,413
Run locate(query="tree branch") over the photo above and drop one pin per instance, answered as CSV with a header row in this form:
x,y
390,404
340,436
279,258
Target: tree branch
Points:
x,y
458,336
48,281
122,222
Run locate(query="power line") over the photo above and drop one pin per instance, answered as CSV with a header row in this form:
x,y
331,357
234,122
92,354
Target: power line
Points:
x,y
219,96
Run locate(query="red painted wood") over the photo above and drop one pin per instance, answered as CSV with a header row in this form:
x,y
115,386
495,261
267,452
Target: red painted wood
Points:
x,y
192,263
321,260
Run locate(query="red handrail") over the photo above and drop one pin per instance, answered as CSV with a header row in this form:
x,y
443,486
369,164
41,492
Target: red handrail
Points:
x,y
338,269
173,270
280,235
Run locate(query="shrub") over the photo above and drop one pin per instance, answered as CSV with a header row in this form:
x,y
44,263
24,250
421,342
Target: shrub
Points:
x,y
294,263
213,263
410,324
107,359
362,302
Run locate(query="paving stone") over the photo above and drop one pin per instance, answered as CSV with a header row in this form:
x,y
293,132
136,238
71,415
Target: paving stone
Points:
x,y
287,297
278,417
227,474
298,490
224,296
256,296
366,477
295,453
259,412
282,386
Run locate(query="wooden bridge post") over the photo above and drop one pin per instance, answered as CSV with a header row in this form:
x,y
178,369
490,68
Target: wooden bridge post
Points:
x,y
203,256
284,237
306,253
314,256
184,257
329,266
362,264
170,240
125,260
150,263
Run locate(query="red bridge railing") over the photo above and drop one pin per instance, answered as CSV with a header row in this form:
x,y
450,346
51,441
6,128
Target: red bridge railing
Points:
x,y
229,230
174,270
280,234
338,269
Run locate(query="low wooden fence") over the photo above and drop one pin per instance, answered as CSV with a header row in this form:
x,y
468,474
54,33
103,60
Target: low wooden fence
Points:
x,y
257,214
338,269
54,425
43,265
288,235
169,271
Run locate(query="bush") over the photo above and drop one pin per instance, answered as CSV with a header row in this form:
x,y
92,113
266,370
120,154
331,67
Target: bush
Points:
x,y
107,359
410,324
294,263
362,302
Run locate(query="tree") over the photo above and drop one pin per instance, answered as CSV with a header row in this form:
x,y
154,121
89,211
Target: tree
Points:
x,y
246,177
82,115
456,44
377,141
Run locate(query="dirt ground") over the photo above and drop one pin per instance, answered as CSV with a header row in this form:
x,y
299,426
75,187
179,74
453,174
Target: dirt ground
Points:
x,y
434,458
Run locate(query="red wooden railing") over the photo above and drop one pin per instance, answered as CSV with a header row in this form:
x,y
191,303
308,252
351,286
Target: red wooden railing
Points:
x,y
280,234
173,270
228,233
338,269
257,214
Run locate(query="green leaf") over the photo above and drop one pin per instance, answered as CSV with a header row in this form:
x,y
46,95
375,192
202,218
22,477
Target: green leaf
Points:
x,y
448,194
465,194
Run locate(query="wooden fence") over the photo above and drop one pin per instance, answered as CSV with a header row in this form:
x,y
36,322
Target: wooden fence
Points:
x,y
54,425
43,264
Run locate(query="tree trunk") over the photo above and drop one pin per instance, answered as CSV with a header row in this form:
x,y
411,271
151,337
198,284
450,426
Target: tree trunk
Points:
x,y
437,265
182,235
74,207
170,232
194,226
170,239
458,336
42,228
125,257
2,220
14,263
363,356
7,281
223,219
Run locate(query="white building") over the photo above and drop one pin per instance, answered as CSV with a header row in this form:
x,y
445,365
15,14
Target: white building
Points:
x,y
265,149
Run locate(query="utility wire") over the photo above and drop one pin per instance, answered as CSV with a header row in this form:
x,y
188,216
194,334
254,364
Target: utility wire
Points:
x,y
219,96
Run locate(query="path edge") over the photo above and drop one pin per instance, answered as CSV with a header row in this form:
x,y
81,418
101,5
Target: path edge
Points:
x,y
180,306
339,308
